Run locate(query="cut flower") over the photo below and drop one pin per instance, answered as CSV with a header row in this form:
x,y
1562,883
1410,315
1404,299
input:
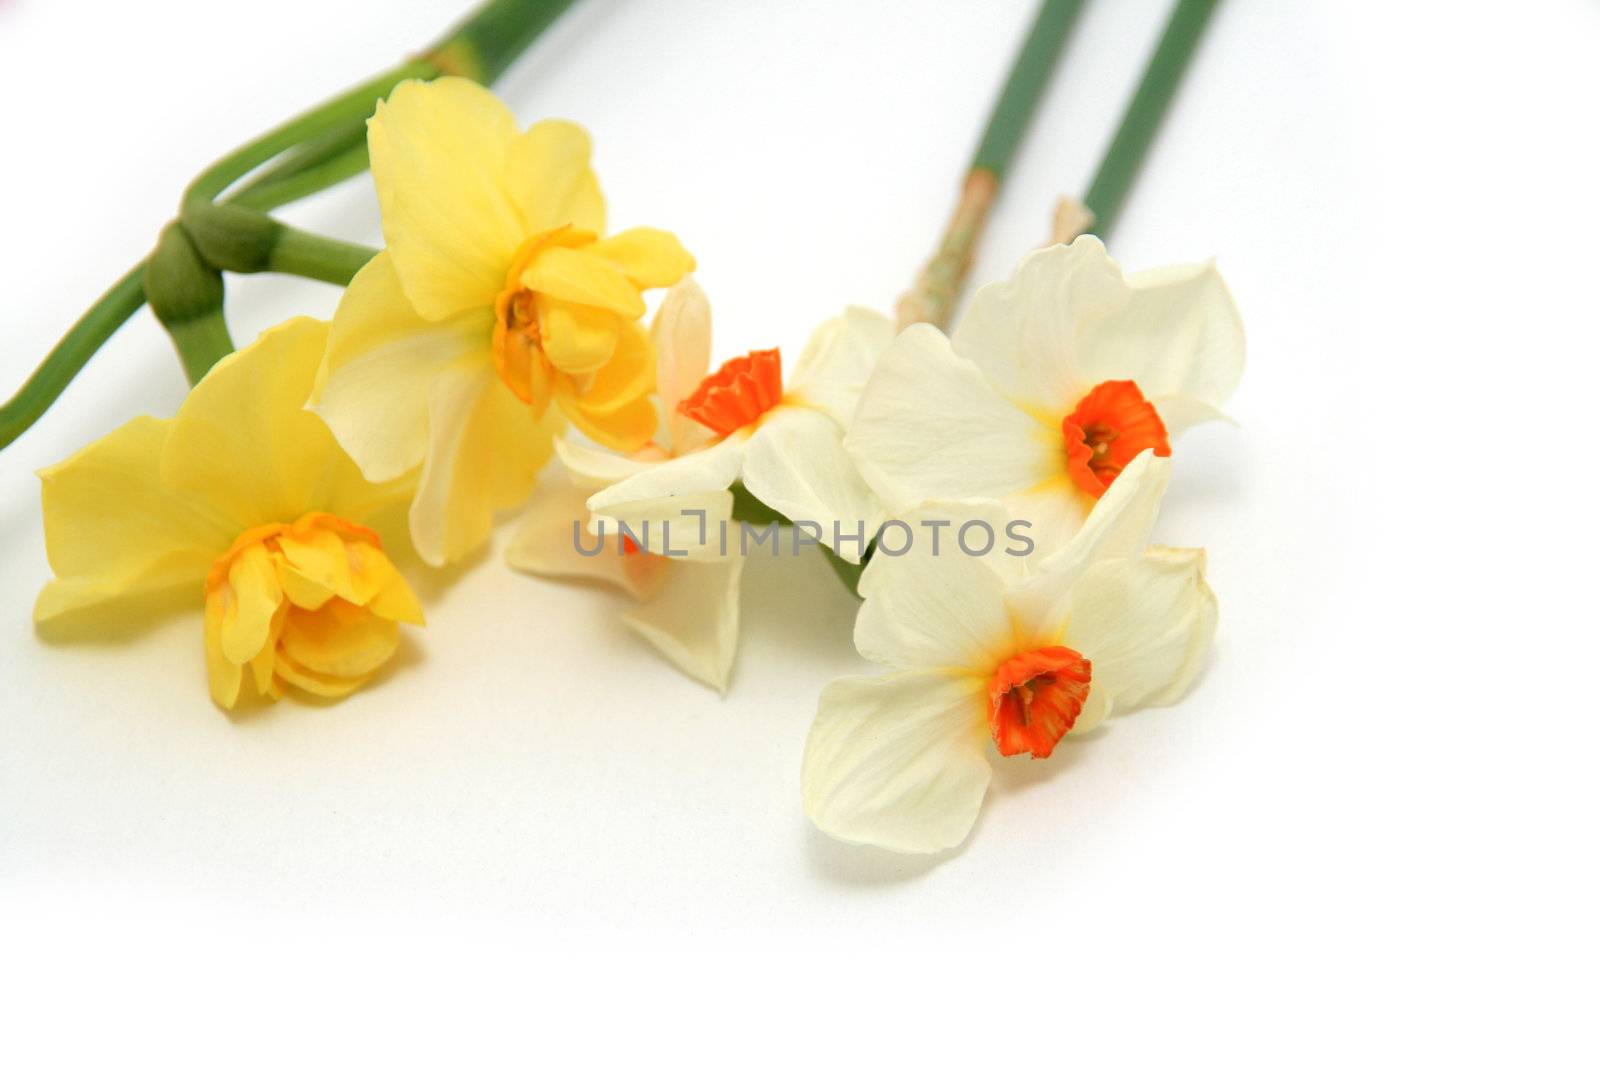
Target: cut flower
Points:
x,y
986,652
1049,387
244,497
784,445
496,301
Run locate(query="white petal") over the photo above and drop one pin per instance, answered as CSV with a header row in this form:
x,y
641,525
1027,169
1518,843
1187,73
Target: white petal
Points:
x,y
1179,334
934,606
898,762
930,427
1118,528
716,467
1179,413
546,543
797,465
1145,624
681,333
837,361
687,526
593,467
1025,333
1097,706
694,618
382,360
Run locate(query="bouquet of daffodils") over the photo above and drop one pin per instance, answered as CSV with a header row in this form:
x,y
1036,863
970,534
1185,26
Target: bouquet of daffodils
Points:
x,y
987,490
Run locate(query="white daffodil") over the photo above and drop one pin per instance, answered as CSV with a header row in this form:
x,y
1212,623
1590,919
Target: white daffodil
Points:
x,y
983,648
1049,387
784,445
688,608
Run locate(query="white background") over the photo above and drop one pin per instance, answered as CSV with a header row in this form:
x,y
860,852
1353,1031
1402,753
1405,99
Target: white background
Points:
x,y
1368,833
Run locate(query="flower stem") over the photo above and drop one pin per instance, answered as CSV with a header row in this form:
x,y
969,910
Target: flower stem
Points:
x,y
69,355
932,297
1120,164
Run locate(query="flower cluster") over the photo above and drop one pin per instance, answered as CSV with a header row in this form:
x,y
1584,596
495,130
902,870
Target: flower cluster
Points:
x,y
500,328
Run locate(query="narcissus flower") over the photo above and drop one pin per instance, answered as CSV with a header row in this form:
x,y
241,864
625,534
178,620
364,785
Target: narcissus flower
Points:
x,y
784,444
689,608
496,298
245,498
989,654
1049,387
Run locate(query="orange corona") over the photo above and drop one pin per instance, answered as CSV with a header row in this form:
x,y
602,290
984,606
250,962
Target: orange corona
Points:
x,y
738,393
1035,698
1111,425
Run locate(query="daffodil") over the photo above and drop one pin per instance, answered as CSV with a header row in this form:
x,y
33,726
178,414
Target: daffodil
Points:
x,y
244,498
987,654
688,608
496,301
1050,385
785,444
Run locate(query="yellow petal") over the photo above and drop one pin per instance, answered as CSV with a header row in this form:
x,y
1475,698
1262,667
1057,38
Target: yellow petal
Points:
x,y
372,389
112,530
550,179
485,450
381,588
223,674
249,599
651,258
244,444
624,429
629,375
577,339
440,160
341,640
323,557
573,275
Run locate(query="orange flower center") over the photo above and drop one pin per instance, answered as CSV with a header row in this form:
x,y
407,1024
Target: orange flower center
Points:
x,y
1035,697
1111,425
738,393
518,344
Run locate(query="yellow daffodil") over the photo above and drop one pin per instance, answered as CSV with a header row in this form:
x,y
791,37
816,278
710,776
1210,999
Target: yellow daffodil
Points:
x,y
244,498
688,607
495,297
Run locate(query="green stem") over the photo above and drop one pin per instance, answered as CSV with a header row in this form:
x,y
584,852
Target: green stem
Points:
x,y
310,168
1120,165
483,45
311,255
933,295
1030,74
70,354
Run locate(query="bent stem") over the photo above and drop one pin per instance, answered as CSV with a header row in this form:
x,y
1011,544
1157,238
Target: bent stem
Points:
x,y
318,149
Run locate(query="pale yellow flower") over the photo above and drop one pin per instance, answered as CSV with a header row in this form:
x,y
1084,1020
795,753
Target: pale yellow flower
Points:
x,y
244,498
496,297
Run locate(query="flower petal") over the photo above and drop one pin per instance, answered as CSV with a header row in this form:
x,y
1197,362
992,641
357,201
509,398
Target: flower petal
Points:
x,y
577,339
838,359
382,358
716,467
440,153
930,427
595,468
797,465
484,452
243,441
550,180
576,276
1179,335
1145,623
693,619
111,529
681,335
898,762
934,605
547,540
1025,333
651,258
